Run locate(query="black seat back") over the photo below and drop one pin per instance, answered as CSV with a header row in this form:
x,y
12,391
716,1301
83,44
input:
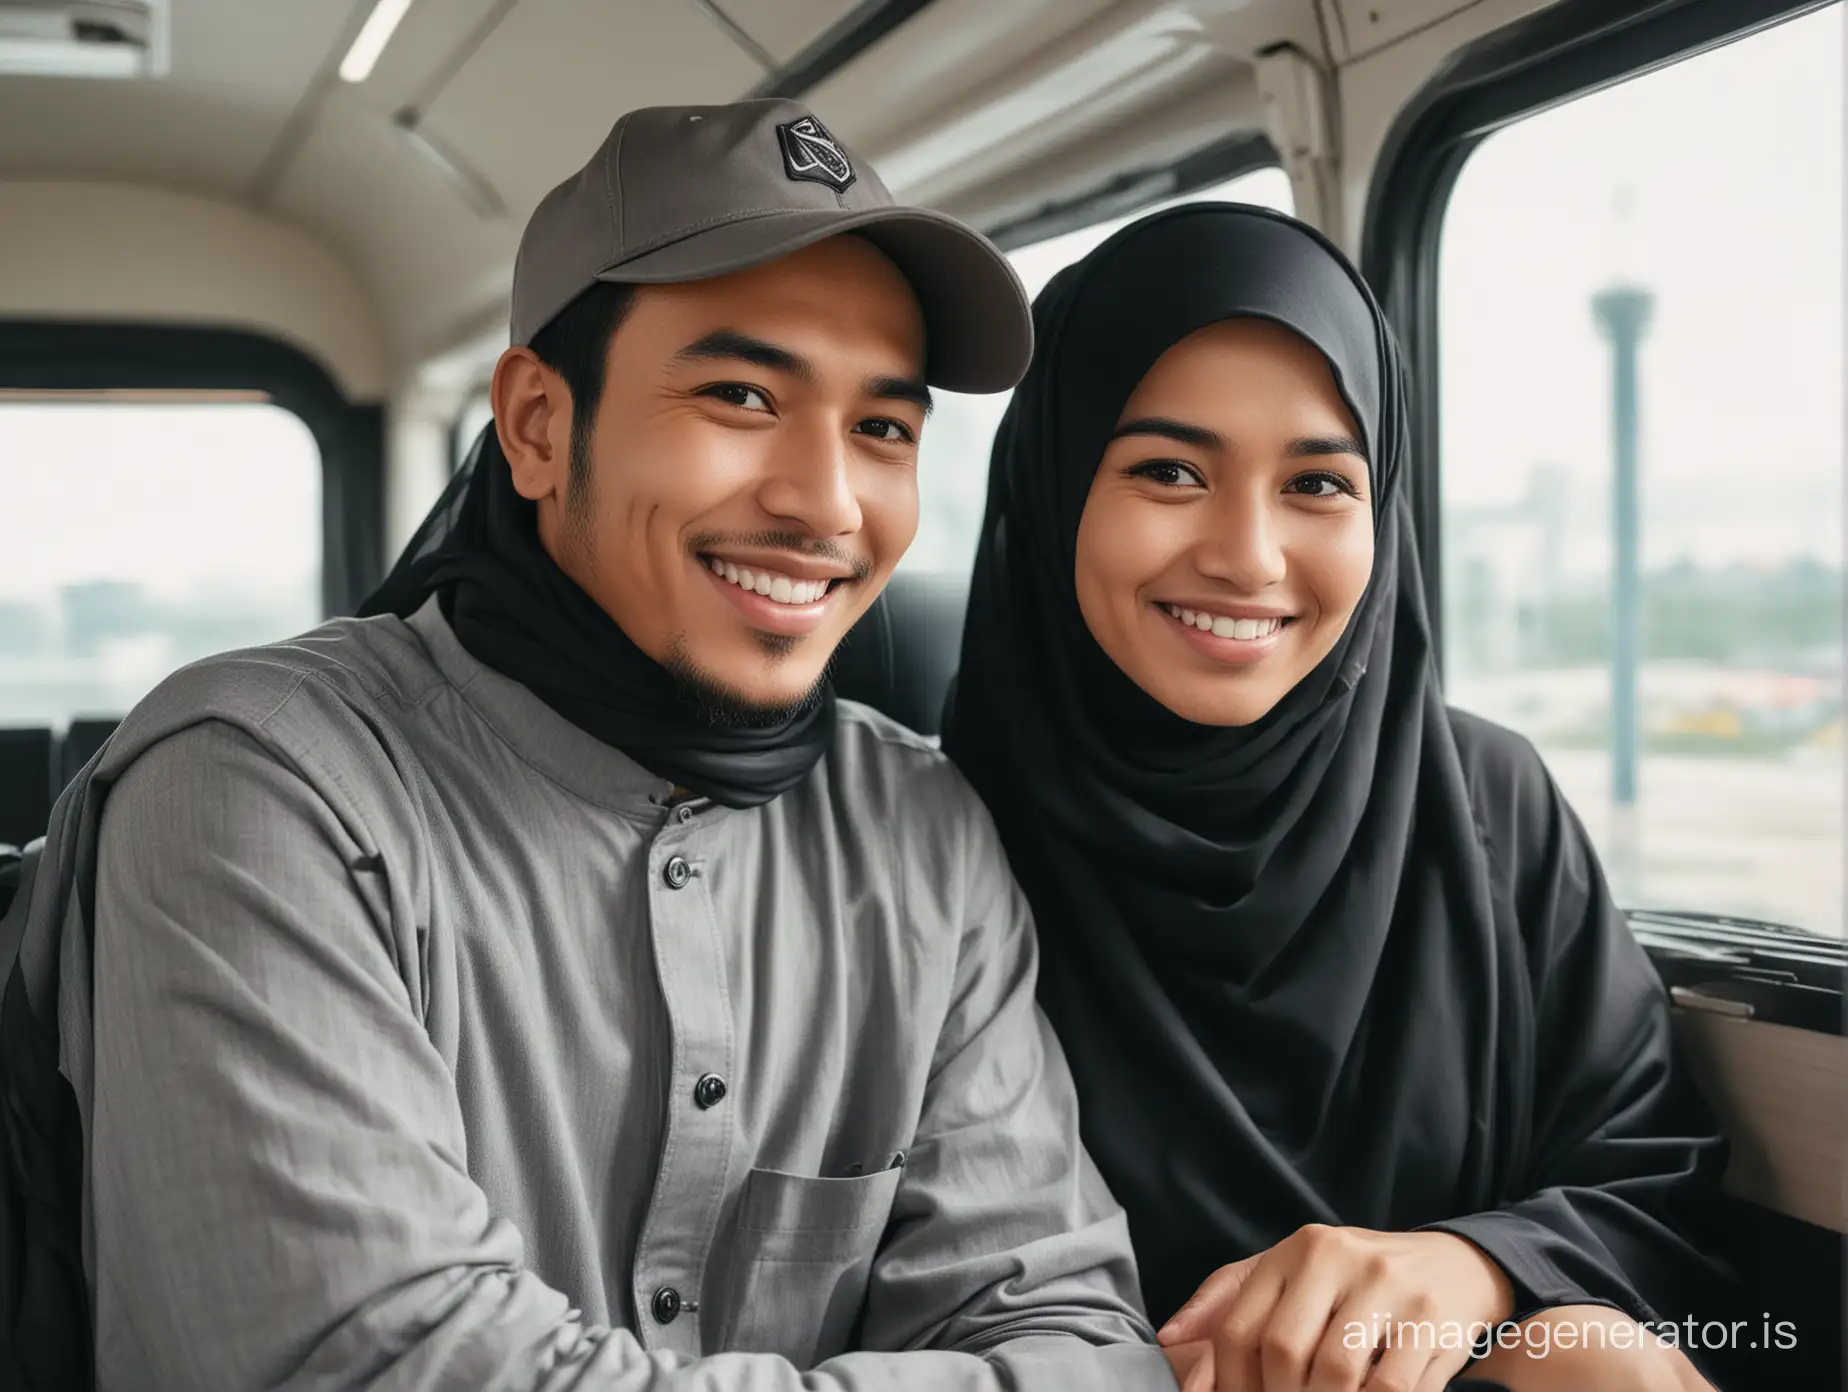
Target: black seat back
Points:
x,y
81,742
26,787
901,656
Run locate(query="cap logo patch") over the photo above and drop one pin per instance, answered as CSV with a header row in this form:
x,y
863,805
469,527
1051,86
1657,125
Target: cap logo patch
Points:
x,y
810,152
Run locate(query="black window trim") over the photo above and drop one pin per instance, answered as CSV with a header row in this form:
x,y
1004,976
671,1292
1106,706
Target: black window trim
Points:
x,y
838,45
1130,191
56,355
1564,52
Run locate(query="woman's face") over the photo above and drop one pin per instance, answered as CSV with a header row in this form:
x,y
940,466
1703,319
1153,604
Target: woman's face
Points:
x,y
1228,533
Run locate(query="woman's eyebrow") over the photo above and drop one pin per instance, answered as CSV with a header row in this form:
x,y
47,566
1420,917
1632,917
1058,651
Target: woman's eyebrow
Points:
x,y
1170,429
1325,444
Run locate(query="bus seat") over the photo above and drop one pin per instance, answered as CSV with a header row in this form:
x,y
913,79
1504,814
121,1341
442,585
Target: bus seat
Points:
x,y
81,742
1778,1094
900,657
1777,1091
26,787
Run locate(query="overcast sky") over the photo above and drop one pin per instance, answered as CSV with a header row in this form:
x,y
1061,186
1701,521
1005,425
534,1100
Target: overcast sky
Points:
x,y
1731,164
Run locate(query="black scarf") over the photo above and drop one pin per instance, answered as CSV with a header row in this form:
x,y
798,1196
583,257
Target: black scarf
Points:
x,y
1273,953
513,609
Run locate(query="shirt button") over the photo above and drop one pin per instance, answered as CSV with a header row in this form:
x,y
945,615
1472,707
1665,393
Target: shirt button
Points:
x,y
677,872
666,1305
683,814
709,1091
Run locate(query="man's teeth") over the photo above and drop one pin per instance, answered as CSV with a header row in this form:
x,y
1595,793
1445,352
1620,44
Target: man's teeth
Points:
x,y
779,589
1220,626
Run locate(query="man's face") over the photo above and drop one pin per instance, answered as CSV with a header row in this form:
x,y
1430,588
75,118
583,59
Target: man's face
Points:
x,y
753,466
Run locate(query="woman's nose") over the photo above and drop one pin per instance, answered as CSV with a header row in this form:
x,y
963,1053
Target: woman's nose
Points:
x,y
1242,546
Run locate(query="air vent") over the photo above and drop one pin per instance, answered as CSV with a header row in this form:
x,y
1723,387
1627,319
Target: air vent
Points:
x,y
83,38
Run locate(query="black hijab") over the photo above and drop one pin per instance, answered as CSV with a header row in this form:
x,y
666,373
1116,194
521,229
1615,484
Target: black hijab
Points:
x,y
1274,953
513,609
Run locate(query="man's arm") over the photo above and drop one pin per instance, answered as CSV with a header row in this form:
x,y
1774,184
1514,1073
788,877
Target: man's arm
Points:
x,y
1003,1236
279,1186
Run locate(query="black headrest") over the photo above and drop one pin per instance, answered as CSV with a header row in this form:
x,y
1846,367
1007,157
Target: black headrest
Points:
x,y
902,655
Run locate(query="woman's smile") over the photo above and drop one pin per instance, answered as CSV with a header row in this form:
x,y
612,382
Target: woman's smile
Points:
x,y
1224,635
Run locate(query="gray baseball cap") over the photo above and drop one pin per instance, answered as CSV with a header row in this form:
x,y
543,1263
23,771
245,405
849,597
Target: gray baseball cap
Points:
x,y
681,193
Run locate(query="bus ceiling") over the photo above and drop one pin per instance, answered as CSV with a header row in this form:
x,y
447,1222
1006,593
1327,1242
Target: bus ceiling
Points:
x,y
230,175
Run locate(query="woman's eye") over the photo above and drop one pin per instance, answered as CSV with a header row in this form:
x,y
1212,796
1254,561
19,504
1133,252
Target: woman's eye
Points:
x,y
1170,472
887,429
739,394
1322,486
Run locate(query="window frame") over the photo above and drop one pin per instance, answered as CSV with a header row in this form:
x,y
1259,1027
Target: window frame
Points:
x,y
50,356
1766,972
1127,192
1567,51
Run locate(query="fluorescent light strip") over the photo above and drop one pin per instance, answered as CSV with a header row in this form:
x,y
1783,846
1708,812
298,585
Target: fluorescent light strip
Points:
x,y
380,25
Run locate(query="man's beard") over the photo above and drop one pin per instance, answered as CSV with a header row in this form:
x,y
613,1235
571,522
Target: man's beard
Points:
x,y
725,706
709,698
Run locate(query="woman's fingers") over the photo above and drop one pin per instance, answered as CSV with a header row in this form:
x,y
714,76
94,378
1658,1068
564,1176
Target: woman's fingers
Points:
x,y
1192,1364
1294,1338
1238,1336
1413,1366
1200,1317
1357,1343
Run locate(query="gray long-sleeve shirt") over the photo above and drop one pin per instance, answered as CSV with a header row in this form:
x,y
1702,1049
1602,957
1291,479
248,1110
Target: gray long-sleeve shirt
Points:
x,y
422,1043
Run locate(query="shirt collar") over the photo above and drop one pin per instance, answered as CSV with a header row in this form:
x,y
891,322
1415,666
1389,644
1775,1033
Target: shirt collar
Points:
x,y
597,772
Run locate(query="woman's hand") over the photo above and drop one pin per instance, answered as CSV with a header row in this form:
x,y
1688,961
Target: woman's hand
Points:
x,y
1579,1346
1312,1313
1192,1364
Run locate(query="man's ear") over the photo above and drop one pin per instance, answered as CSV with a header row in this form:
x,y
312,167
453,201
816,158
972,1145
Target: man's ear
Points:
x,y
532,416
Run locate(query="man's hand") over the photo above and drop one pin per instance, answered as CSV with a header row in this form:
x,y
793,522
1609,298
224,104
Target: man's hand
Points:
x,y
1344,1309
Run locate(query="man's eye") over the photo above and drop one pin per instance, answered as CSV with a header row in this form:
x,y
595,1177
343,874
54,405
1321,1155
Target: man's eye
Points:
x,y
738,394
885,428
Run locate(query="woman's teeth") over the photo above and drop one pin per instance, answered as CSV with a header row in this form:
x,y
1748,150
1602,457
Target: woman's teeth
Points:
x,y
1220,626
778,589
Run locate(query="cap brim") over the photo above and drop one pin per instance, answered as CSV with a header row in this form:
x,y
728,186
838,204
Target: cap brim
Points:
x,y
978,325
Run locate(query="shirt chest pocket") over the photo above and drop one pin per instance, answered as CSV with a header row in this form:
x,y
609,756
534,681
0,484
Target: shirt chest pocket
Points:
x,y
802,1251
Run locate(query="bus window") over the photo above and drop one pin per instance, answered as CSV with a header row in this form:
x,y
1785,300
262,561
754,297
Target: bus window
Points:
x,y
139,537
953,459
476,412
1641,411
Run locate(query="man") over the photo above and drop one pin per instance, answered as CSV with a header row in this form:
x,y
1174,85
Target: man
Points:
x,y
544,983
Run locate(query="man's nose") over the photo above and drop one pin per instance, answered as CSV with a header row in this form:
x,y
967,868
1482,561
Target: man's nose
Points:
x,y
810,484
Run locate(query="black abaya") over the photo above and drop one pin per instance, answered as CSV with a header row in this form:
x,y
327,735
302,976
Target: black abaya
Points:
x,y
1355,963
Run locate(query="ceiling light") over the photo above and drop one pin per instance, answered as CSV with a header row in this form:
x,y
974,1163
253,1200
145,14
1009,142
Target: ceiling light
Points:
x,y
373,36
83,38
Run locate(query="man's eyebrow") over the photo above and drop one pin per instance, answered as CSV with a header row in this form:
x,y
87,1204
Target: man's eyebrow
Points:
x,y
1169,429
724,344
742,347
912,389
1314,445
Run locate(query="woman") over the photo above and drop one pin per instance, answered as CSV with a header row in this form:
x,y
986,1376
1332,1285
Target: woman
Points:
x,y
1349,1006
